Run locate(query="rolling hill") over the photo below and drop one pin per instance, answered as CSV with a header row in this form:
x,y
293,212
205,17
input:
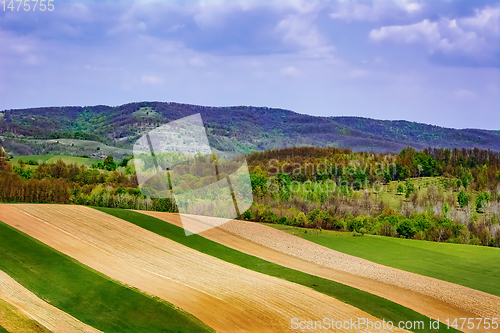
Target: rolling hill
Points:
x,y
241,128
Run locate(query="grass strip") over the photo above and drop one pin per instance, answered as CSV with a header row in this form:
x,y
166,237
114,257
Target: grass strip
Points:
x,y
3,330
476,267
372,304
85,294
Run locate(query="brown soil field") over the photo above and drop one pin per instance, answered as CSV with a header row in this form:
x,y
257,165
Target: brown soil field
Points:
x,y
226,297
22,311
431,297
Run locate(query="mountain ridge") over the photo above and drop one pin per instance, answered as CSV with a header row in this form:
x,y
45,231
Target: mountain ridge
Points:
x,y
241,128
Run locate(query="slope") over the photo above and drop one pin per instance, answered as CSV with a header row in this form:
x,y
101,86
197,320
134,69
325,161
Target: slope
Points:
x,y
434,298
242,128
225,296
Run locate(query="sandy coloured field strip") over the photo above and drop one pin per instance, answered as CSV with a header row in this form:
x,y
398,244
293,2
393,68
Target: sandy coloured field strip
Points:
x,y
224,296
431,297
13,319
23,307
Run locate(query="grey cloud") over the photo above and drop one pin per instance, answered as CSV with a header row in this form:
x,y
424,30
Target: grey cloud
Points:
x,y
473,39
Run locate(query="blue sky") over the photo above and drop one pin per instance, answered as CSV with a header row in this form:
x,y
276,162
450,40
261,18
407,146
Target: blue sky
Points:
x,y
435,61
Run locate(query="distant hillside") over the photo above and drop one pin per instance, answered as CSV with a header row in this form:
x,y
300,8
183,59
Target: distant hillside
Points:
x,y
242,128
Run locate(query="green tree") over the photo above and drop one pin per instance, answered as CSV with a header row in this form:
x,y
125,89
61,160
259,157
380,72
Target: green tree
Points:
x,y
402,171
109,164
466,177
300,219
463,199
484,237
482,199
401,188
427,164
482,177
409,188
388,177
406,228
421,222
446,209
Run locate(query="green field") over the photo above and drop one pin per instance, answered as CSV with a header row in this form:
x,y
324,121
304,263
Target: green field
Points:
x,y
304,231
26,158
92,145
393,199
374,305
53,158
476,267
84,293
3,330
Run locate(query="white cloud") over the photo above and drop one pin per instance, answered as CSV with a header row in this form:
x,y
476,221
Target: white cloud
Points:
x,y
301,33
20,48
290,71
475,36
358,73
422,32
465,94
151,79
352,10
197,62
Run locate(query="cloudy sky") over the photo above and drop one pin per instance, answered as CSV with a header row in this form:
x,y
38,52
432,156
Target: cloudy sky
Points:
x,y
432,61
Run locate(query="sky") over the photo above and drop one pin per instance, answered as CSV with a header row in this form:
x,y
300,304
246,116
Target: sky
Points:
x,y
430,61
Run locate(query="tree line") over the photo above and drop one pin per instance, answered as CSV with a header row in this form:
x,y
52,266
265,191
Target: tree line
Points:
x,y
463,206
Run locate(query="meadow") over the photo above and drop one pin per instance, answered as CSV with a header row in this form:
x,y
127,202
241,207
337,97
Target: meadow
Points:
x,y
476,267
54,158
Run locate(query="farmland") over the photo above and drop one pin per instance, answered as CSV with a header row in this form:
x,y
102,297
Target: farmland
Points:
x,y
473,267
157,256
170,263
82,292
253,263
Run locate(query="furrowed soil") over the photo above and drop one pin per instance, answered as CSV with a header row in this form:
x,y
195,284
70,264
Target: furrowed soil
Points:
x,y
22,311
226,297
428,296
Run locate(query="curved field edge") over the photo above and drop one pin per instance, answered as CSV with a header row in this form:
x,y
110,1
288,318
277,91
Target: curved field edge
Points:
x,y
13,318
372,304
475,267
84,293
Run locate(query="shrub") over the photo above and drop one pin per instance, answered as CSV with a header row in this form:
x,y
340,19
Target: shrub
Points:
x,y
484,237
283,220
339,224
419,235
401,188
482,199
409,188
300,220
247,215
453,241
475,241
463,199
406,229
387,230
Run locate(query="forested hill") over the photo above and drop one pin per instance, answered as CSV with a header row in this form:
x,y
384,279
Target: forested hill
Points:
x,y
243,128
